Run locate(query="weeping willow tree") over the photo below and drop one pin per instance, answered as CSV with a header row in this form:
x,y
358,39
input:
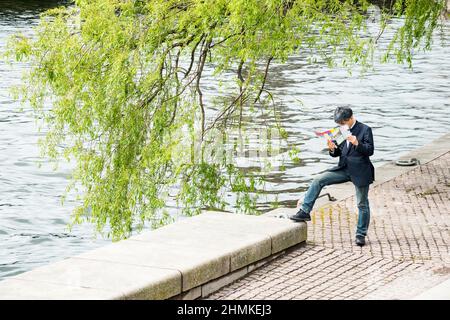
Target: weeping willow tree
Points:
x,y
126,82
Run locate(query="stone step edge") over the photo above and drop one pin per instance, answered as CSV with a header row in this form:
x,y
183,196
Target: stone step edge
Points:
x,y
203,291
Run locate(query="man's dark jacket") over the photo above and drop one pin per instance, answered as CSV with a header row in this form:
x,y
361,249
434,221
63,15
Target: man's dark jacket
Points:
x,y
355,159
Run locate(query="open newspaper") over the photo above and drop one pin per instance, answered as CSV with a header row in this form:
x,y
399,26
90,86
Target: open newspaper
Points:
x,y
338,134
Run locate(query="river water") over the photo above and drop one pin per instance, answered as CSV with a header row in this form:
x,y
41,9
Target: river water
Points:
x,y
406,109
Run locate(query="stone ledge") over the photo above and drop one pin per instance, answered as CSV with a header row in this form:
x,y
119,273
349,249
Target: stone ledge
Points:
x,y
188,258
206,289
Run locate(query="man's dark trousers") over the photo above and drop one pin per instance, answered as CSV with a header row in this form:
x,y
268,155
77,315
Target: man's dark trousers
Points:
x,y
335,177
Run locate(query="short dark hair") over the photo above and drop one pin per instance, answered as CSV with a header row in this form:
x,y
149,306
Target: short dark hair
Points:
x,y
342,114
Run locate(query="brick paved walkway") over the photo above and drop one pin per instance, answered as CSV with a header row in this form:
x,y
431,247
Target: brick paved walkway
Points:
x,y
406,252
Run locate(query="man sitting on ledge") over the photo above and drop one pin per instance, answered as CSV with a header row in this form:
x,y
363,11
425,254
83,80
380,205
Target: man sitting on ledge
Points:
x,y
354,165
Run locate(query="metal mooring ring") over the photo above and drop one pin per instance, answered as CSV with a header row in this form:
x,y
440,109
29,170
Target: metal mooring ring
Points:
x,y
409,162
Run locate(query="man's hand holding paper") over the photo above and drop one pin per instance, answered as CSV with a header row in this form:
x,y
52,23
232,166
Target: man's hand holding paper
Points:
x,y
352,140
347,135
331,145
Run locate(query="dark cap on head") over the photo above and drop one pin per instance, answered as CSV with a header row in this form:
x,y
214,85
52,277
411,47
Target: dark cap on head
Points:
x,y
342,113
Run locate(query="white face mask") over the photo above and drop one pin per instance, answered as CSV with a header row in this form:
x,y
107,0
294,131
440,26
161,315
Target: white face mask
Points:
x,y
345,130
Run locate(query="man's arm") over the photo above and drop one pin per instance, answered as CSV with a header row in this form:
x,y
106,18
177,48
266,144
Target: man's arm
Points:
x,y
366,145
335,152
